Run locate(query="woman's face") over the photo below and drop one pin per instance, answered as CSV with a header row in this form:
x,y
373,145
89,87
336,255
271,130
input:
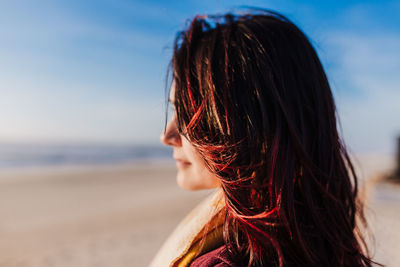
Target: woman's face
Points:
x,y
192,174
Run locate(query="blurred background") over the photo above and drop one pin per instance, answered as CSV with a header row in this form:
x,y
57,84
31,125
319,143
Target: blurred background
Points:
x,y
83,178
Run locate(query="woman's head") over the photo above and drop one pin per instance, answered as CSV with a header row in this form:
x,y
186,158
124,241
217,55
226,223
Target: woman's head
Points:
x,y
252,100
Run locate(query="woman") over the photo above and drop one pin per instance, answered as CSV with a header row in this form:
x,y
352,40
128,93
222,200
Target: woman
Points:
x,y
255,118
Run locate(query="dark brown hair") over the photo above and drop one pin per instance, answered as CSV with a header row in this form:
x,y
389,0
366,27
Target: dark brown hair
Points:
x,y
253,98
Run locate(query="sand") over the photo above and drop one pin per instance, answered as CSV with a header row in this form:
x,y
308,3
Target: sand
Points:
x,y
384,218
93,216
120,215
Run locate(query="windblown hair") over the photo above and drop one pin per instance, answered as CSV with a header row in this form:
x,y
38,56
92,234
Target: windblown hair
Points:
x,y
252,96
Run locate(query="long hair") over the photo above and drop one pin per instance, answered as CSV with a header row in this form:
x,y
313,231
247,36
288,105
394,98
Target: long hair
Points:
x,y
252,96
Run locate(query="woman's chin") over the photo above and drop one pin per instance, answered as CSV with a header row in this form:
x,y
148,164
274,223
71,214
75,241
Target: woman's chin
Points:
x,y
185,183
188,182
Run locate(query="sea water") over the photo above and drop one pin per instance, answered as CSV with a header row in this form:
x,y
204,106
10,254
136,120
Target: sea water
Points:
x,y
49,155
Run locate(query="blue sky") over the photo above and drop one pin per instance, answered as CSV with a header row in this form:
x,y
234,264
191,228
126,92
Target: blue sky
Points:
x,y
94,71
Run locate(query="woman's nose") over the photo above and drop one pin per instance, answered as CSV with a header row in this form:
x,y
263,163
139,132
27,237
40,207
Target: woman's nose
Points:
x,y
171,136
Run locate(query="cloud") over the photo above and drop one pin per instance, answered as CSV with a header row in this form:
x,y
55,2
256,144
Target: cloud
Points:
x,y
71,77
37,115
367,88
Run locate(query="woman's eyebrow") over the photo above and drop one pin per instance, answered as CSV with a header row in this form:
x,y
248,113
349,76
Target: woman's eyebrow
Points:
x,y
171,101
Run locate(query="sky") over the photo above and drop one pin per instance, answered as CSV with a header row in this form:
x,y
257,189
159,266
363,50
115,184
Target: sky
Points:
x,y
94,71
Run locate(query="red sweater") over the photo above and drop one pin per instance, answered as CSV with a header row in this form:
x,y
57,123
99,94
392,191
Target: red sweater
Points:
x,y
218,257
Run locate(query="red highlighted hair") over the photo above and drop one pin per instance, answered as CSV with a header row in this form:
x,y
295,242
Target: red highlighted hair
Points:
x,y
252,96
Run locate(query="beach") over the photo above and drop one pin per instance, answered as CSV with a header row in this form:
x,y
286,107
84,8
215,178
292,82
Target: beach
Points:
x,y
119,215
89,216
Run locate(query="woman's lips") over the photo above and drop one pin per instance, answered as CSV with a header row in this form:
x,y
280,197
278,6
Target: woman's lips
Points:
x,y
180,163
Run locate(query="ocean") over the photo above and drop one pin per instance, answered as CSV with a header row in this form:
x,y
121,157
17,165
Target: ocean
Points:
x,y
14,156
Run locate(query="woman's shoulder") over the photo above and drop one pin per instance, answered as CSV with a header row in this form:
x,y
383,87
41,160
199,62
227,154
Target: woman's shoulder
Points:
x,y
218,257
